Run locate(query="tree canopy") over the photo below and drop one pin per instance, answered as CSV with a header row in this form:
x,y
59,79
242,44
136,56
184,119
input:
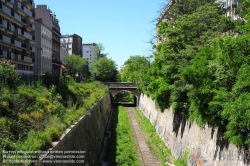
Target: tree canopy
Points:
x,y
201,69
75,64
133,67
104,68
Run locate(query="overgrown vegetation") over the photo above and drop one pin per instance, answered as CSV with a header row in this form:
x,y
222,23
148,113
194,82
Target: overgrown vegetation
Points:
x,y
182,161
104,69
124,97
122,150
159,148
33,116
201,68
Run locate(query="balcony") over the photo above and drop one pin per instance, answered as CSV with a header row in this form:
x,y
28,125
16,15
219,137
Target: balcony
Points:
x,y
4,54
5,9
27,35
17,17
32,49
17,43
24,10
4,23
32,26
10,1
27,59
23,45
6,39
31,3
23,20
55,30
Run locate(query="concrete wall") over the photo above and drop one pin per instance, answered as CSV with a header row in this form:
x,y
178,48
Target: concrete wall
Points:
x,y
206,147
87,134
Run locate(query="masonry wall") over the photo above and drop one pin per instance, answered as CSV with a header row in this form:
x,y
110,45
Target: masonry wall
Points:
x,y
87,134
206,147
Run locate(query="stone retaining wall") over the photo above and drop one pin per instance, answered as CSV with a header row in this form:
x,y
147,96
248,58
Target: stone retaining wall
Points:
x,y
86,135
206,147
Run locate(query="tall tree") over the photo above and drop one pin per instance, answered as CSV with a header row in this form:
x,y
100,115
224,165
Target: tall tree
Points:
x,y
133,67
76,64
105,69
99,48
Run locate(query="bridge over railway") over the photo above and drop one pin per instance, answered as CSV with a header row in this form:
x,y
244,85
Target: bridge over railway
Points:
x,y
117,87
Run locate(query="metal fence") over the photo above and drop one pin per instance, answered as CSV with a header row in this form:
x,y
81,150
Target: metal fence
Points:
x,y
46,80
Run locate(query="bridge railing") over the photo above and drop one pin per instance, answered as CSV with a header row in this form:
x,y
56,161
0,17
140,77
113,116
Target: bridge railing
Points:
x,y
119,84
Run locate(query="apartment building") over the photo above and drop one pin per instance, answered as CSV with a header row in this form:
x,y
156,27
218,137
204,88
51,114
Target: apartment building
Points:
x,y
73,43
89,53
229,7
51,21
17,34
43,45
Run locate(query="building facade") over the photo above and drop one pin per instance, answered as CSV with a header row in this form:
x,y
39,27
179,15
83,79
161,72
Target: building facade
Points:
x,y
52,22
73,43
89,53
229,7
43,46
17,34
63,56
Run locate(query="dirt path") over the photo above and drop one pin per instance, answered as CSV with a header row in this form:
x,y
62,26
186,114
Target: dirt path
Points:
x,y
146,157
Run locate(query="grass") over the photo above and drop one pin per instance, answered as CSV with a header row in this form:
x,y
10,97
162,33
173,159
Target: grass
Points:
x,y
158,147
182,161
122,149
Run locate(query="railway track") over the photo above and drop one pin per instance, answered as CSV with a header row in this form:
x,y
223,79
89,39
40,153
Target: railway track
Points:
x,y
145,154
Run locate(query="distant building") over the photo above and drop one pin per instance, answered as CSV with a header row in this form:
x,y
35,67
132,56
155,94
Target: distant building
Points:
x,y
73,43
43,45
63,55
229,7
52,22
17,34
89,53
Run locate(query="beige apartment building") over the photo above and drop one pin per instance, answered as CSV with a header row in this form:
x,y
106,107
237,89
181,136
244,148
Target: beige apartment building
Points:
x,y
17,34
51,21
43,46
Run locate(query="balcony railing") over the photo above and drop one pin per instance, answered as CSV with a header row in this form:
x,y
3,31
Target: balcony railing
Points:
x,y
31,3
6,10
23,20
4,54
17,17
4,23
27,35
32,49
12,1
24,9
23,45
17,43
27,59
54,29
6,39
32,26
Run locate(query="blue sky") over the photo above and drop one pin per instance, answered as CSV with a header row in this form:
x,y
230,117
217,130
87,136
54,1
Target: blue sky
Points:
x,y
123,26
